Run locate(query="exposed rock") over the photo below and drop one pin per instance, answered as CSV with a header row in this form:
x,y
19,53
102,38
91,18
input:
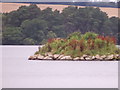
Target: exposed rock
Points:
x,y
66,58
89,58
48,54
47,58
31,58
103,57
93,58
82,58
34,57
76,59
110,57
117,56
40,57
60,56
56,56
98,57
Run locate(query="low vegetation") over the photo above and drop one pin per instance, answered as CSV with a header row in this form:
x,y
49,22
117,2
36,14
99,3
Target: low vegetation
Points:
x,y
77,45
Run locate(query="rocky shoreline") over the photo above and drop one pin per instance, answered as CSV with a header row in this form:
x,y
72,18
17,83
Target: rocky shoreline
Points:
x,y
58,57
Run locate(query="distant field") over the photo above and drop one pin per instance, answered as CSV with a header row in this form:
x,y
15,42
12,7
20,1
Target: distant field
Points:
x,y
8,7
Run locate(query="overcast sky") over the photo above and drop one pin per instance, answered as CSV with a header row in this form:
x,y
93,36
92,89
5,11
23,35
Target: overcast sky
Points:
x,y
55,0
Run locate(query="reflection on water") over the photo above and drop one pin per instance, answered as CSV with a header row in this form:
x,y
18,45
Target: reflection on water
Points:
x,y
18,72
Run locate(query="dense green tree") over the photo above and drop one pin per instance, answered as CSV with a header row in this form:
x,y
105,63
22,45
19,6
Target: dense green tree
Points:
x,y
51,35
15,18
31,25
106,28
35,29
115,21
12,35
77,18
110,27
29,41
59,31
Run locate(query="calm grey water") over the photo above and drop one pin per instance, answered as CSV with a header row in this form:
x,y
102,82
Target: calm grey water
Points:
x,y
18,72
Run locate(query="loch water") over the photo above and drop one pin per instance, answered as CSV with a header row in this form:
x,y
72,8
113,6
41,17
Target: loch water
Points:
x,y
19,72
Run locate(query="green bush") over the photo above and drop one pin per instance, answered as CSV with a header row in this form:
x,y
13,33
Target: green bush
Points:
x,y
77,45
75,35
90,35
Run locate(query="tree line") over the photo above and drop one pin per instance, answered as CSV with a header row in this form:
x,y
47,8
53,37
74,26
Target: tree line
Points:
x,y
29,25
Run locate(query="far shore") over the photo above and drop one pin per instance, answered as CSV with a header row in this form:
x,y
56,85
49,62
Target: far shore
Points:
x,y
8,7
